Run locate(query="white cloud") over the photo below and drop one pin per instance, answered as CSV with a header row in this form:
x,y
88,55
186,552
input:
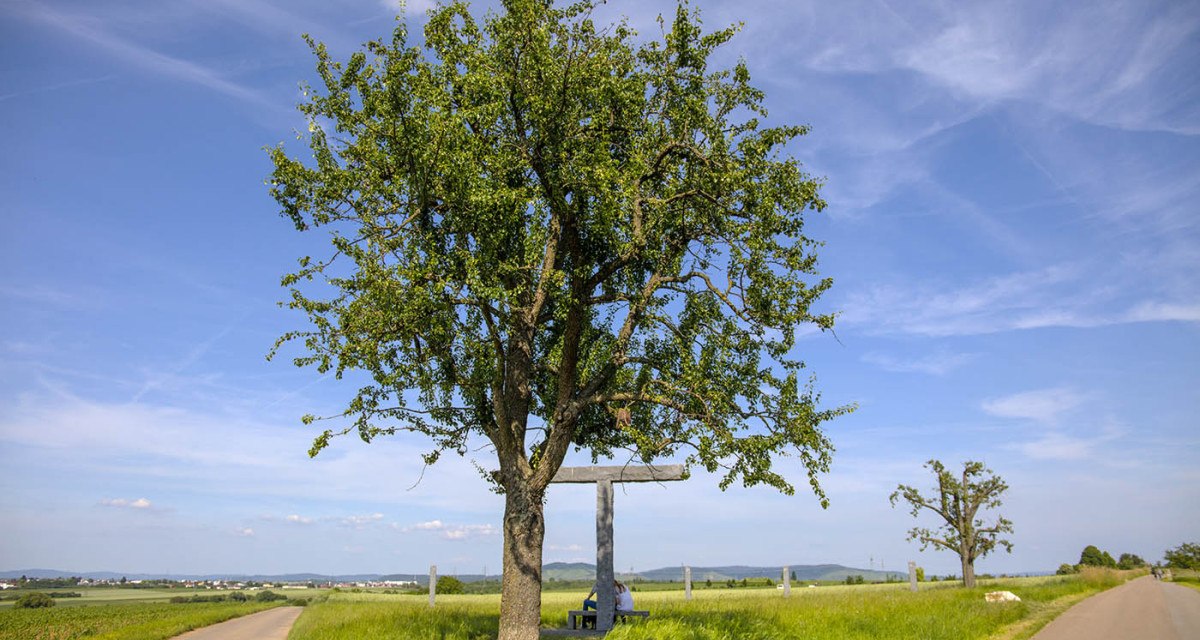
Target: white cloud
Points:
x,y
470,531
1117,64
453,532
1044,405
298,519
246,532
181,448
1056,446
359,522
573,548
122,503
1062,446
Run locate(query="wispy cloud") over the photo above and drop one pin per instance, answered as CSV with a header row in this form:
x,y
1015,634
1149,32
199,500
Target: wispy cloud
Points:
x,y
298,519
1056,445
139,504
988,52
937,364
55,86
1045,406
453,532
1064,295
361,521
94,32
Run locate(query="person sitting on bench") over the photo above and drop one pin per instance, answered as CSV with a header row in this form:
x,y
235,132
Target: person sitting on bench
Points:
x,y
624,598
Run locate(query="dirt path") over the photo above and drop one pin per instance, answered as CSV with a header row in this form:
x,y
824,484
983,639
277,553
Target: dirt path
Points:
x,y
1142,609
272,624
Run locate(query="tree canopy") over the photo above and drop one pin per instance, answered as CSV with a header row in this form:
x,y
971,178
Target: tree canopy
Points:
x,y
548,236
958,502
543,221
1185,556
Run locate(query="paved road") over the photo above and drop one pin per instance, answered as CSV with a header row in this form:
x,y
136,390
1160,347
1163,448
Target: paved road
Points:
x,y
272,624
1142,609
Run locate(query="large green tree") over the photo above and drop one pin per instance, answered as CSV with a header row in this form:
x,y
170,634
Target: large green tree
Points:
x,y
958,502
551,237
1185,556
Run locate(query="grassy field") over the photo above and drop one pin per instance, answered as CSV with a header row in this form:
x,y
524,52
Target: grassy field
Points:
x,y
92,596
869,611
127,621
109,595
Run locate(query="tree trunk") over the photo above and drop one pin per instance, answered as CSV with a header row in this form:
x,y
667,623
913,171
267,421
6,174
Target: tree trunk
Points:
x,y
521,592
968,571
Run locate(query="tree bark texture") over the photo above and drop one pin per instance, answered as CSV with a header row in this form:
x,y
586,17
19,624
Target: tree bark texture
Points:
x,y
968,570
524,530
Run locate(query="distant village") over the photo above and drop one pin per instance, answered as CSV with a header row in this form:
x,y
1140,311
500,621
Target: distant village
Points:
x,y
230,585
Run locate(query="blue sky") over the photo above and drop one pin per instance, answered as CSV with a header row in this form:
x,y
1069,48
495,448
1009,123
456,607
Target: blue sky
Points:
x,y
1012,233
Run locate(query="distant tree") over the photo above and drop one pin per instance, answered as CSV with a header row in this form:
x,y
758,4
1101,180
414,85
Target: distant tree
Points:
x,y
123,580
34,600
708,583
958,502
1066,569
549,236
1092,556
920,574
448,585
793,575
1130,561
1185,556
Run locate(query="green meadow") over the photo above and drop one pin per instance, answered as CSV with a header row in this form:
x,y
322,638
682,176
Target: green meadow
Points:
x,y
119,620
938,611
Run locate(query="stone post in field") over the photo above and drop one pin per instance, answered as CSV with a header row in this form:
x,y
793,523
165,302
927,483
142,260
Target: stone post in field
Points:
x,y
432,582
787,582
912,576
687,583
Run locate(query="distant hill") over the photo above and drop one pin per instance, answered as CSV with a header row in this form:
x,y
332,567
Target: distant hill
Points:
x,y
564,571
584,571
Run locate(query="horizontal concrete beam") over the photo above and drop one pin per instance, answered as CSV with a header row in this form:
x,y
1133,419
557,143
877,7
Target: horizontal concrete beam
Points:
x,y
627,473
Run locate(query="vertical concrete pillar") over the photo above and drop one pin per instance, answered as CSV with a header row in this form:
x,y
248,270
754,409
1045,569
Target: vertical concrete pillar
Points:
x,y
432,582
787,581
605,594
687,583
912,576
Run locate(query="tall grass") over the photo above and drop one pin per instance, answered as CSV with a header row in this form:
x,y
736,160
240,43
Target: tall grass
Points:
x,y
826,613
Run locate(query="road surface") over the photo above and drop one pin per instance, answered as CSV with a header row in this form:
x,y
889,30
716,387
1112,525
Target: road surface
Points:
x,y
1142,609
272,624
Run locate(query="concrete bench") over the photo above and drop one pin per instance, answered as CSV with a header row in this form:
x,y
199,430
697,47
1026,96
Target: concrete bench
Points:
x,y
579,618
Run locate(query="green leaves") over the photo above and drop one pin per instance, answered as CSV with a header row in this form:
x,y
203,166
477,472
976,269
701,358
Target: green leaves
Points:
x,y
539,226
957,503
